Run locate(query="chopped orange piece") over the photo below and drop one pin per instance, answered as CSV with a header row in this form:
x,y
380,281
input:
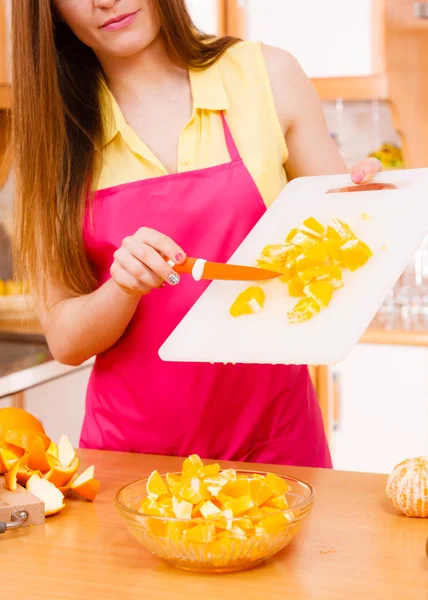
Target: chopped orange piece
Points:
x,y
175,530
338,230
192,466
295,287
158,527
209,509
279,503
194,490
202,534
304,310
299,261
274,265
239,506
287,276
278,485
274,523
236,489
211,470
321,292
354,254
302,238
260,492
174,483
182,509
150,507
275,252
329,273
156,486
248,302
333,250
314,225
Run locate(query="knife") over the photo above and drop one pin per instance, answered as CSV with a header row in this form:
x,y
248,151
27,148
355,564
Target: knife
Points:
x,y
202,269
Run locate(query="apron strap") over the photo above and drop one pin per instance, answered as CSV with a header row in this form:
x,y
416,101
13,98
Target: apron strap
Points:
x,y
230,142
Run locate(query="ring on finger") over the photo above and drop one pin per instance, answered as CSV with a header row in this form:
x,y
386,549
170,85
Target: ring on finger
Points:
x,y
173,278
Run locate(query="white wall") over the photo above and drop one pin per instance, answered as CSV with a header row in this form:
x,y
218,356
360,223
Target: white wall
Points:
x,y
330,38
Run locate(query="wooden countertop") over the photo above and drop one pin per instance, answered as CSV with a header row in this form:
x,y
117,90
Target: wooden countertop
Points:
x,y
353,546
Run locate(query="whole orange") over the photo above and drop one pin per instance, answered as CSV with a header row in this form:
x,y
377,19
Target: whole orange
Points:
x,y
18,418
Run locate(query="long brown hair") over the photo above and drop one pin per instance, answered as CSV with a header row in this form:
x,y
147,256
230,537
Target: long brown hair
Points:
x,y
56,130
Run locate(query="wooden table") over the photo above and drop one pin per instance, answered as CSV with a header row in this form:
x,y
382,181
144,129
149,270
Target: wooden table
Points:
x,y
353,546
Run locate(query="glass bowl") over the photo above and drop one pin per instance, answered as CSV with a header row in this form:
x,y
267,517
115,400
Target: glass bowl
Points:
x,y
225,551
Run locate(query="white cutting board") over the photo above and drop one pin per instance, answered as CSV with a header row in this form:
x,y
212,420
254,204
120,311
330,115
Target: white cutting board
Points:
x,y
399,222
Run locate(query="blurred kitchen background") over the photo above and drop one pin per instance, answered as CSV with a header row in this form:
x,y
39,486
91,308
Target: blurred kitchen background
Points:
x,y
368,62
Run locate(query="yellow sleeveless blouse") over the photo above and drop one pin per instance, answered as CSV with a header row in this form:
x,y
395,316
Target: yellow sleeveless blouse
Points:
x,y
237,84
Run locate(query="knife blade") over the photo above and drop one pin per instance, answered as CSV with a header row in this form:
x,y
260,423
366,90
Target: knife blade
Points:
x,y
203,269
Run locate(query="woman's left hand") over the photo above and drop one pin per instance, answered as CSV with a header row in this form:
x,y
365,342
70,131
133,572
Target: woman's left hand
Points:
x,y
365,170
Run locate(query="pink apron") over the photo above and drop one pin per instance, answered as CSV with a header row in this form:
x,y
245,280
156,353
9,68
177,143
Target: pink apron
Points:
x,y
137,403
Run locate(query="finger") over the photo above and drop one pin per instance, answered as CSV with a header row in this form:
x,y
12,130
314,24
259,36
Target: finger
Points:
x,y
163,244
136,268
126,282
149,257
365,170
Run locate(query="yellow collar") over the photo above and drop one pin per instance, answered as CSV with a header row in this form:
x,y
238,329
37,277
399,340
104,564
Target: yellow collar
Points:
x,y
208,93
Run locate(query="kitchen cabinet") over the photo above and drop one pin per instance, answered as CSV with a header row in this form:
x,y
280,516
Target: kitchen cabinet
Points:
x,y
334,38
206,14
60,404
380,407
5,96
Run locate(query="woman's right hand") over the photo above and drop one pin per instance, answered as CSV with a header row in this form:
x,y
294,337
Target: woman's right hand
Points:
x,y
139,264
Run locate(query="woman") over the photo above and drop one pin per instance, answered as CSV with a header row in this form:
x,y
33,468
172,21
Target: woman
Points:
x,y
99,209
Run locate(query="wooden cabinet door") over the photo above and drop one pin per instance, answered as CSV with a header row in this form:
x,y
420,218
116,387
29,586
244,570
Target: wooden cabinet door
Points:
x,y
4,53
4,42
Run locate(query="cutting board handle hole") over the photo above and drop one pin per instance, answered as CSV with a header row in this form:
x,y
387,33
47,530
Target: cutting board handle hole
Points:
x,y
365,187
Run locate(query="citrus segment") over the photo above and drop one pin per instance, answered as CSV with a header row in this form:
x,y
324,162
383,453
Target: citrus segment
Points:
x,y
182,509
321,292
314,225
354,254
194,491
248,302
304,310
156,486
295,287
192,466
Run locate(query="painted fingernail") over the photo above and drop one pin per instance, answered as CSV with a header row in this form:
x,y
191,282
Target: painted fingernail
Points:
x,y
174,279
358,177
179,257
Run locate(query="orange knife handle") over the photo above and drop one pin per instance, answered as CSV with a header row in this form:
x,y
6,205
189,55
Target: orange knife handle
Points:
x,y
186,267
